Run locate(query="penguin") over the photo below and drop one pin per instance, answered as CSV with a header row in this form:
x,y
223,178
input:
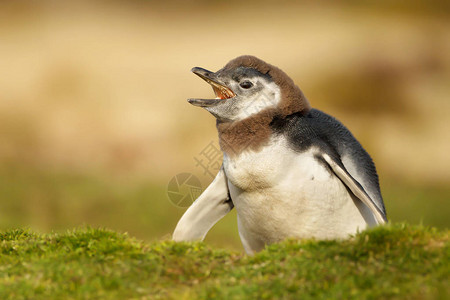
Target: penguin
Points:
x,y
289,170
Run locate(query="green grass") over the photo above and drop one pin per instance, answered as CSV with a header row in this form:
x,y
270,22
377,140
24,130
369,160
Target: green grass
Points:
x,y
396,261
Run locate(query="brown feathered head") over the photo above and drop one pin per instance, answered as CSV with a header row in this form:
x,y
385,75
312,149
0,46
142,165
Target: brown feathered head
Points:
x,y
248,86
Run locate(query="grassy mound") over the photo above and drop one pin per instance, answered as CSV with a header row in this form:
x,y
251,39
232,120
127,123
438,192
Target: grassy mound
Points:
x,y
395,261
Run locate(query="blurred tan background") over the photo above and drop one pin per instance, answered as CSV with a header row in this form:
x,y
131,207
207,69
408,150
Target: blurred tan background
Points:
x,y
94,121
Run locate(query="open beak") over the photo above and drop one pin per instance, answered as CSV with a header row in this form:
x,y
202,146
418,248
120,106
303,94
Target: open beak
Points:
x,y
220,89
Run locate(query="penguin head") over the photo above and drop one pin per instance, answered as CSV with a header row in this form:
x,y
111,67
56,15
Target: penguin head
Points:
x,y
248,86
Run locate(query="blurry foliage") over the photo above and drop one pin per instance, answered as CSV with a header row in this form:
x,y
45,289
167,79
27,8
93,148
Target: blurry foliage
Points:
x,y
440,6
378,85
437,7
103,128
371,90
47,200
415,204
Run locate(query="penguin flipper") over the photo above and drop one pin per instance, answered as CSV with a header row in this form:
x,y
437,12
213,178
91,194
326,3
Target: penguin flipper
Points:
x,y
211,206
354,186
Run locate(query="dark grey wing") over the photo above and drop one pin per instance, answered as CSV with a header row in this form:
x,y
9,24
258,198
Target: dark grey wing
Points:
x,y
362,169
354,186
346,157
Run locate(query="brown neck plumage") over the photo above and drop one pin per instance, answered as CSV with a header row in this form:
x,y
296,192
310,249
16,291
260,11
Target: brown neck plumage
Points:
x,y
248,134
254,132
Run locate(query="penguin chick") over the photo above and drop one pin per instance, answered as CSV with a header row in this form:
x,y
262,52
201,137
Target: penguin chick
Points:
x,y
290,171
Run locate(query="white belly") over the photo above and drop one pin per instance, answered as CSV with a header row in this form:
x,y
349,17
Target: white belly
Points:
x,y
279,193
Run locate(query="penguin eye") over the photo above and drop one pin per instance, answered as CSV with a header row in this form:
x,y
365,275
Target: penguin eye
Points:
x,y
246,84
